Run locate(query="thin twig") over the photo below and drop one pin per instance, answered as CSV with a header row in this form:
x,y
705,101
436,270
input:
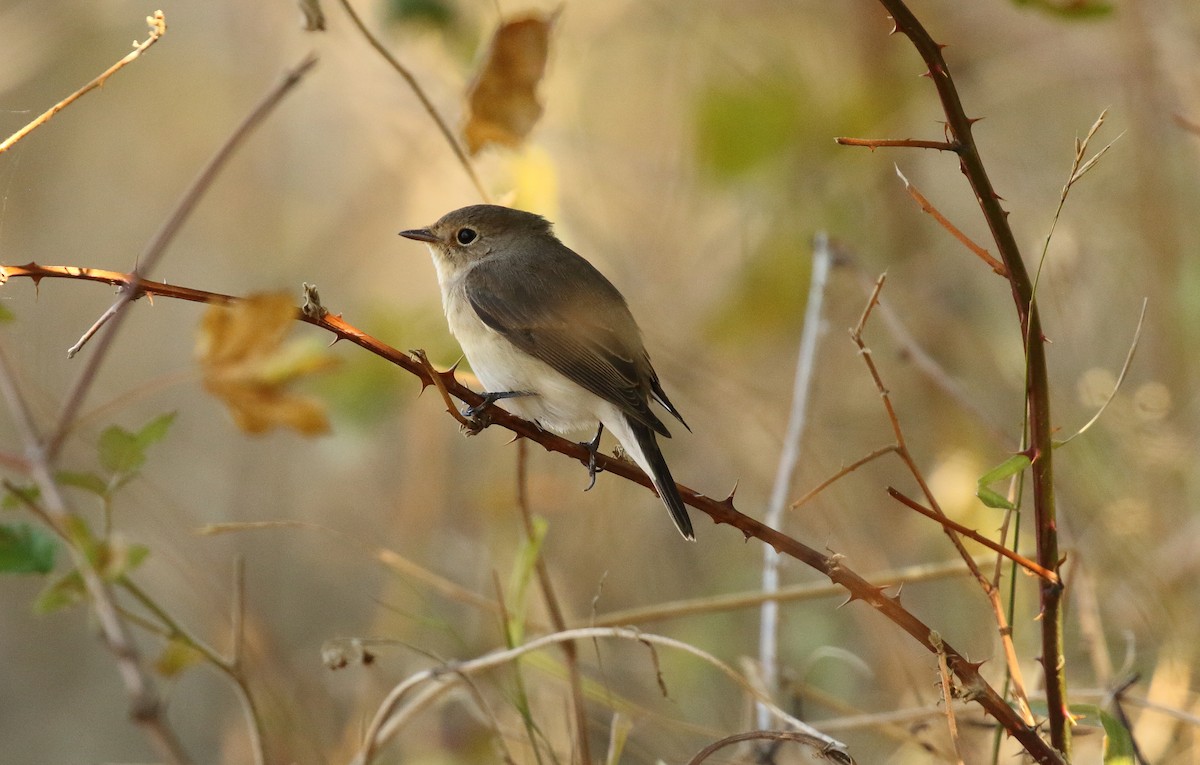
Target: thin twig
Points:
x,y
1004,614
1137,334
171,629
901,447
843,472
815,744
552,607
936,374
909,575
971,534
947,687
426,103
955,231
157,245
388,558
385,723
439,382
1116,697
904,143
158,27
789,457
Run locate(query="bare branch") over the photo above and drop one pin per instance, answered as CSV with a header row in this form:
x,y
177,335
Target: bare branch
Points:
x,y
945,223
158,27
158,244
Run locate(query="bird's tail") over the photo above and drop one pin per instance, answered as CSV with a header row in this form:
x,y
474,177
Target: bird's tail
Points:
x,y
650,459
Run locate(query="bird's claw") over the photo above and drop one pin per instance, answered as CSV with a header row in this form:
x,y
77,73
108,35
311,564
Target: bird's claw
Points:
x,y
477,416
592,447
475,419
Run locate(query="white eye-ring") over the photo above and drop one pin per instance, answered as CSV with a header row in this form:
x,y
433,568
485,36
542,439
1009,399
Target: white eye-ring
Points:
x,y
466,235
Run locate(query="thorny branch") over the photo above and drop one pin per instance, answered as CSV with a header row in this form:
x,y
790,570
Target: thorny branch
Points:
x,y
1037,386
721,511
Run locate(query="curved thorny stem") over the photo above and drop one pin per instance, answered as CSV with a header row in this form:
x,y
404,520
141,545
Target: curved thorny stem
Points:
x,y
1037,389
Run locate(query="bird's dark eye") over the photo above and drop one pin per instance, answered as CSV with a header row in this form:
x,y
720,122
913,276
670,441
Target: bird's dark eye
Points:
x,y
466,235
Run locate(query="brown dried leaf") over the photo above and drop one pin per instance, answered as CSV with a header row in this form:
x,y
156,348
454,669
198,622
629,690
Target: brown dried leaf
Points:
x,y
247,365
503,99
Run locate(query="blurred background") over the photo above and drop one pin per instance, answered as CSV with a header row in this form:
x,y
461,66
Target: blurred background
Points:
x,y
687,150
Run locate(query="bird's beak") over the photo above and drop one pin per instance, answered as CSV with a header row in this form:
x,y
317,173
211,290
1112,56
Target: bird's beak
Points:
x,y
419,234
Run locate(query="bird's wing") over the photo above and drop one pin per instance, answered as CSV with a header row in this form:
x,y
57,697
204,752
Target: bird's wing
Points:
x,y
587,335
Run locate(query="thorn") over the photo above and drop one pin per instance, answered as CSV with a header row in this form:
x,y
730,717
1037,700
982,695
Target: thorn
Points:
x,y
941,46
927,74
729,500
878,597
895,26
969,666
849,599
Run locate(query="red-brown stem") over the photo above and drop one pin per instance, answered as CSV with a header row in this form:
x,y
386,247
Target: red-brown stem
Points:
x,y
904,143
1017,558
1037,387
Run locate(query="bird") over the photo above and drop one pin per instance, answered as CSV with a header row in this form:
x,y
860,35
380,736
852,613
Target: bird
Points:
x,y
550,337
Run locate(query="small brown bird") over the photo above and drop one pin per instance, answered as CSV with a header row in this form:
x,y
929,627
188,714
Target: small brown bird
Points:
x,y
549,335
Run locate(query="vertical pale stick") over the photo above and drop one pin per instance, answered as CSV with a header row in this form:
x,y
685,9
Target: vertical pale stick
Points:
x,y
768,636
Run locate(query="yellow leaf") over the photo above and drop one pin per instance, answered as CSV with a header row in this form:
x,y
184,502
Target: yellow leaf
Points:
x,y
503,99
247,365
534,181
176,657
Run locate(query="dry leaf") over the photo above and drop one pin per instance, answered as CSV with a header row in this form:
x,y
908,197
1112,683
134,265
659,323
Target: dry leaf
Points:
x,y
503,100
247,365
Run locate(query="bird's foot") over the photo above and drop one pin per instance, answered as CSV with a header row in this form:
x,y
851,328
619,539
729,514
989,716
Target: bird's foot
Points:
x,y
477,416
592,447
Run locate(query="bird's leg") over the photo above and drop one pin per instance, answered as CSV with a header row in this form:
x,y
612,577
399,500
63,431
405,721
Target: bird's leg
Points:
x,y
593,446
475,413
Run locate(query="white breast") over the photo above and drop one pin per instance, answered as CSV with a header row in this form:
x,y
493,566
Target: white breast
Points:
x,y
557,403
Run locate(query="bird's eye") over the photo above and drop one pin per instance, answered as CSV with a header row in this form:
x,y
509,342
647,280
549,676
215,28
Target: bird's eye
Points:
x,y
466,235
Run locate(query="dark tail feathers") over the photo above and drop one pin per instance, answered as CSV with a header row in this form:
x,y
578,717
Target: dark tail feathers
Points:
x,y
660,474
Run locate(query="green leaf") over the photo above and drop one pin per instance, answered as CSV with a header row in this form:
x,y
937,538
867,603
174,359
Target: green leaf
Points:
x,y
123,453
1070,9
1010,467
26,550
1118,741
114,558
89,482
438,13
120,451
176,657
155,430
518,582
65,591
20,496
994,499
